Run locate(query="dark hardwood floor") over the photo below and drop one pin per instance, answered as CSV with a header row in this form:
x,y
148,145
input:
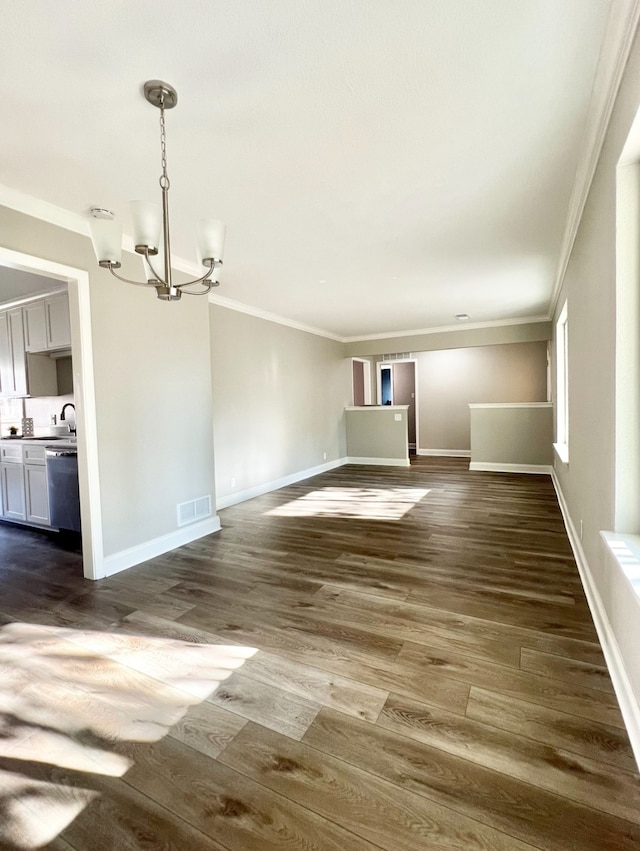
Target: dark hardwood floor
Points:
x,y
373,658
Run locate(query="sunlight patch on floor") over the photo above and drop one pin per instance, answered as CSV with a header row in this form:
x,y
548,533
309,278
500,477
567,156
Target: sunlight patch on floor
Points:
x,y
356,503
72,699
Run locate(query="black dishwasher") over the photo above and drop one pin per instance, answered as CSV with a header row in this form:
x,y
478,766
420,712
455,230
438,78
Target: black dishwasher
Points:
x,y
64,493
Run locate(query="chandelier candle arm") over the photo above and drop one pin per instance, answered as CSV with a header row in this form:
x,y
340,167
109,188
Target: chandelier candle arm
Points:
x,y
151,231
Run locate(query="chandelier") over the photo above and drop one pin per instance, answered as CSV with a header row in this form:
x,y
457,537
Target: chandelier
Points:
x,y
151,226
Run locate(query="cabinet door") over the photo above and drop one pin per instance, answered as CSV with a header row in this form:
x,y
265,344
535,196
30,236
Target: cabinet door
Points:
x,y
13,364
6,356
58,325
19,354
13,501
35,327
36,493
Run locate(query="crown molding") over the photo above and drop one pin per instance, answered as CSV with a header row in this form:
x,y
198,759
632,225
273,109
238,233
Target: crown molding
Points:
x,y
614,53
445,329
38,209
75,222
239,307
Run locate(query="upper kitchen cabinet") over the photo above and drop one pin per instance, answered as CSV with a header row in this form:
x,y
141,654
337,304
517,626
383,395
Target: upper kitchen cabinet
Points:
x,y
13,362
22,373
46,324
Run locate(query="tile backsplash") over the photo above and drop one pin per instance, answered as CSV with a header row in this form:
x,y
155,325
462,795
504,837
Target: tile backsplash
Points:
x,y
39,409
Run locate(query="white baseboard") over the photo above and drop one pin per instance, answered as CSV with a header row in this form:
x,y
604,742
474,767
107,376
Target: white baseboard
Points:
x,y
446,453
489,467
380,462
614,659
150,549
250,493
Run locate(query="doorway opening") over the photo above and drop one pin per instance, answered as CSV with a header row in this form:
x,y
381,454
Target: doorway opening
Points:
x,y
397,385
361,378
77,281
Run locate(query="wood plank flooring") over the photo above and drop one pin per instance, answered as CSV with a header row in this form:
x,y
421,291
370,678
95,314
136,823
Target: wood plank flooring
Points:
x,y
375,658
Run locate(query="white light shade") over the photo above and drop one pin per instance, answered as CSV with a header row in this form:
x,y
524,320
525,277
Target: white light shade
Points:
x,y
158,264
107,239
146,218
211,234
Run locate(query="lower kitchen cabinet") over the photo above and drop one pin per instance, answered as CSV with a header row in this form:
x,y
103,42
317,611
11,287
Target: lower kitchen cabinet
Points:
x,y
13,492
36,494
23,483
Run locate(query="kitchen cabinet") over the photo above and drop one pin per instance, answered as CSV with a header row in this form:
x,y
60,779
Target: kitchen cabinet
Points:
x,y
13,360
23,483
13,492
36,494
46,324
23,374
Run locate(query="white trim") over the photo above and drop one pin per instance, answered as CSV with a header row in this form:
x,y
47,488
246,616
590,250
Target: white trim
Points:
x,y
614,52
274,485
380,462
38,209
613,657
562,380
445,329
491,467
445,453
377,408
150,549
239,307
84,397
74,222
29,299
510,404
562,451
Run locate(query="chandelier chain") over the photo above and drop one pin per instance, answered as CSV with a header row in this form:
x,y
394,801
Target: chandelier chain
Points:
x,y
164,180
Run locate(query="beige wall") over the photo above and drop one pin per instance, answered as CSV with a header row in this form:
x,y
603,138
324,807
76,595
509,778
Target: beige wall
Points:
x,y
512,434
588,482
152,389
449,380
279,398
378,433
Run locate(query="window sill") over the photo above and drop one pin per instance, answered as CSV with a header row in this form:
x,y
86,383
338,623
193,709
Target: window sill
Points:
x,y
562,451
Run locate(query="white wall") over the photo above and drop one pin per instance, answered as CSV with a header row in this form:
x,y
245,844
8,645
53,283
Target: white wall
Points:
x,y
279,398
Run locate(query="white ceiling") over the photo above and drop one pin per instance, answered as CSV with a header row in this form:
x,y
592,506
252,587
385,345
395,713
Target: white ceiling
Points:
x,y
381,164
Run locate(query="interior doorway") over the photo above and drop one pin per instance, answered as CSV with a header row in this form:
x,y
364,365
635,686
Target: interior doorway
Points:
x,y
361,376
397,385
77,281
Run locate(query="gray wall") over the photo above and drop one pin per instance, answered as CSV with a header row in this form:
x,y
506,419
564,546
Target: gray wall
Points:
x,y
449,380
152,388
279,398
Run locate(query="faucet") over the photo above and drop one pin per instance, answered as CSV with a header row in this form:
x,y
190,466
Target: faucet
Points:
x,y
62,416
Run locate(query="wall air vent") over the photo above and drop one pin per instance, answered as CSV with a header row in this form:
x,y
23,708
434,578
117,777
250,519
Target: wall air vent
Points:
x,y
398,356
195,509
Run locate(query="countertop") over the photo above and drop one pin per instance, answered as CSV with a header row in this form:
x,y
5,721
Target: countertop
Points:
x,y
45,440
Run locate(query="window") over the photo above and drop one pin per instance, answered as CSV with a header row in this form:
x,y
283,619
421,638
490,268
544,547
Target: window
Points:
x,y
562,385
